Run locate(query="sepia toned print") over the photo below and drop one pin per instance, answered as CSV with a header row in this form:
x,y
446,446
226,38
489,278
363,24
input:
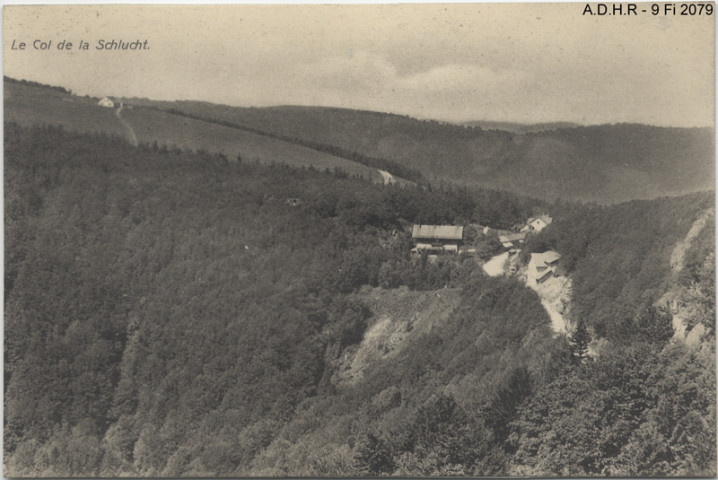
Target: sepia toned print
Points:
x,y
409,240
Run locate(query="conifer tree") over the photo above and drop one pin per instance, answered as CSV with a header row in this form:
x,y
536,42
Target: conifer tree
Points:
x,y
579,341
372,457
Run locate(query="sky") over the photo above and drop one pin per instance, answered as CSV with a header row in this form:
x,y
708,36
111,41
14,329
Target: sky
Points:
x,y
514,62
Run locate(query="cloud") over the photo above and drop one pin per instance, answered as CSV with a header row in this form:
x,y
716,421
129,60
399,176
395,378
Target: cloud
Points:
x,y
513,62
365,80
352,71
459,77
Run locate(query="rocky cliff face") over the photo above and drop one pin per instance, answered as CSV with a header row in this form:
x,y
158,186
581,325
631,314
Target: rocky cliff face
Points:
x,y
555,294
688,301
400,316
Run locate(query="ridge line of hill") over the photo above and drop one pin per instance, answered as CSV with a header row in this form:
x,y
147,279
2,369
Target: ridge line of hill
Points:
x,y
481,125
29,103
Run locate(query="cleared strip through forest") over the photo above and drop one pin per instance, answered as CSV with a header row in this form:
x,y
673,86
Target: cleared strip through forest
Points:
x,y
398,171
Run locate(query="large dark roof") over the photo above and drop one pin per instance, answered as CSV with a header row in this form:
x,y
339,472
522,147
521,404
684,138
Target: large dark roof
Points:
x,y
443,232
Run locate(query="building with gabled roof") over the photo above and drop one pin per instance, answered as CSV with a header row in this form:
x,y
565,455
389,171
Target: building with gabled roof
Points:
x,y
437,238
542,266
536,224
106,102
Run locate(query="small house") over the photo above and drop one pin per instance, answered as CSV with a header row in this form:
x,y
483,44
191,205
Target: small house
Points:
x,y
106,102
437,238
536,224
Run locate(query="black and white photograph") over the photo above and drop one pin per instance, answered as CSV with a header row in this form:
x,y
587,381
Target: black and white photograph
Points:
x,y
359,240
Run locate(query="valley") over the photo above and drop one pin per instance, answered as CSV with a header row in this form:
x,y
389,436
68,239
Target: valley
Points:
x,y
194,290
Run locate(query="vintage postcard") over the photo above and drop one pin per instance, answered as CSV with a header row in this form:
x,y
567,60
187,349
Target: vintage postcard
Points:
x,y
359,240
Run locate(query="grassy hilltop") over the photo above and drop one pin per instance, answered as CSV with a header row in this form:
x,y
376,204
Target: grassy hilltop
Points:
x,y
37,104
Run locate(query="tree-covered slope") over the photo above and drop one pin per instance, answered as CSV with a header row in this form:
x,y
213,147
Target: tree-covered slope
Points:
x,y
148,287
173,313
606,163
619,257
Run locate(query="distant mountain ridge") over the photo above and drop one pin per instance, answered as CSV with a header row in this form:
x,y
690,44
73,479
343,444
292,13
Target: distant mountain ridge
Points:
x,y
603,163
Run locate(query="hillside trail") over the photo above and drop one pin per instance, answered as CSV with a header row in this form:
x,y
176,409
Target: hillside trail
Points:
x,y
495,266
133,137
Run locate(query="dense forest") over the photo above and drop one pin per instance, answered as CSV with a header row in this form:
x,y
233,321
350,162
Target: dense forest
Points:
x,y
179,313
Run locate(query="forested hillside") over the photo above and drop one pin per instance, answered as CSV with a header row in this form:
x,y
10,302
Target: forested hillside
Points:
x,y
175,313
618,257
605,164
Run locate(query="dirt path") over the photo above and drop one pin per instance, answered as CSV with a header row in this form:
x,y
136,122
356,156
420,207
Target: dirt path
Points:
x,y
133,137
679,251
495,266
552,293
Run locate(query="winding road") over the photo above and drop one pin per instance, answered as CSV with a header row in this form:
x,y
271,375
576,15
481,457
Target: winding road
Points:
x,y
133,137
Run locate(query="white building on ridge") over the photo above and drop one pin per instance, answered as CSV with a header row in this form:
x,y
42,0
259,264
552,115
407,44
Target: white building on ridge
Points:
x,y
106,102
536,224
